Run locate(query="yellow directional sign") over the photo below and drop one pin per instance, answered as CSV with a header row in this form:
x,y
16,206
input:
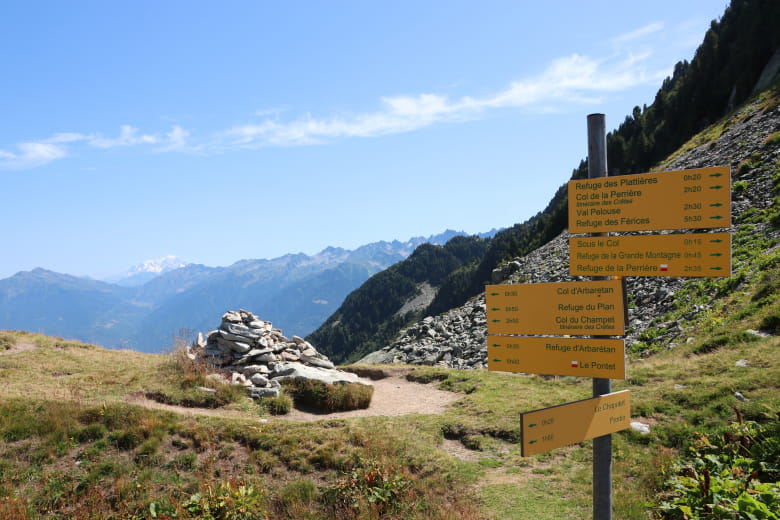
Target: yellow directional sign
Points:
x,y
580,357
686,199
692,254
569,308
569,423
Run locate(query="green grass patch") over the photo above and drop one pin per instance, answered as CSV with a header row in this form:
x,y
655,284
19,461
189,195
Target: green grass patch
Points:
x,y
328,398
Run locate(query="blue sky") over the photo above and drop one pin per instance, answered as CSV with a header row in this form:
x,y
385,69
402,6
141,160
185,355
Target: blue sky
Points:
x,y
218,131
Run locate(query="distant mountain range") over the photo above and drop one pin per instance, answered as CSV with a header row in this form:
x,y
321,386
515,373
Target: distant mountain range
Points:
x,y
144,308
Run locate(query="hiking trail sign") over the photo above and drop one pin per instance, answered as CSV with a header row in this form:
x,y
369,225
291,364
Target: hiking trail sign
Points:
x,y
579,357
570,423
686,199
567,308
689,254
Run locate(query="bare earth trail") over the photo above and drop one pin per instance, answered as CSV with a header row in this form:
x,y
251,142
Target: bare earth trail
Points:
x,y
19,347
393,396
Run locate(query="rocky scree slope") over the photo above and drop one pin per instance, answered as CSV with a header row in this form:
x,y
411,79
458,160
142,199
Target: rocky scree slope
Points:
x,y
748,141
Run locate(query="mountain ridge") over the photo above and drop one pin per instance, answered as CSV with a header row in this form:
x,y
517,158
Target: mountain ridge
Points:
x,y
147,316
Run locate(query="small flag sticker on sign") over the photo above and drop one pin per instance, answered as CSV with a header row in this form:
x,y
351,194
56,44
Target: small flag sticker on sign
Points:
x,y
575,364
664,267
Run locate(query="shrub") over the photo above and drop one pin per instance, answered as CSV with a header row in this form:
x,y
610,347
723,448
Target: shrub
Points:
x,y
733,475
278,405
371,487
228,501
91,432
771,323
723,340
295,499
329,398
125,439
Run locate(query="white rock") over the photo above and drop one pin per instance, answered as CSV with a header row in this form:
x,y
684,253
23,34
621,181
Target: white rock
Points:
x,y
329,376
640,427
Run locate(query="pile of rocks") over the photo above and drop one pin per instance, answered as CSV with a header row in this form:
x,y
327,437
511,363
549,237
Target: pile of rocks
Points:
x,y
250,352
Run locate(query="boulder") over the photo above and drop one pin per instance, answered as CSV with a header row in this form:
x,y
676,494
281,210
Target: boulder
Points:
x,y
324,375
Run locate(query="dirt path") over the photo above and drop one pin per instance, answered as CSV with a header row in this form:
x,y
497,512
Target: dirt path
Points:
x,y
393,396
20,346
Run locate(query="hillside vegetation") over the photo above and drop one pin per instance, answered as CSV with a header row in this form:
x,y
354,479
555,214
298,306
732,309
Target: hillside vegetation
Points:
x,y
726,67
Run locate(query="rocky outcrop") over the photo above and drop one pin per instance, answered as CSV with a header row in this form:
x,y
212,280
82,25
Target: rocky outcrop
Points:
x,y
249,351
457,338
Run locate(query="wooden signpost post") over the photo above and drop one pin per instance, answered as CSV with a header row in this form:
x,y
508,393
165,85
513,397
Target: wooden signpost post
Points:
x,y
518,313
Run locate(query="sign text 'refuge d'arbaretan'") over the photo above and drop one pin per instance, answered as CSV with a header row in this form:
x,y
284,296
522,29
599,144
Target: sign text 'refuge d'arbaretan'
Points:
x,y
569,423
690,254
568,308
687,199
579,357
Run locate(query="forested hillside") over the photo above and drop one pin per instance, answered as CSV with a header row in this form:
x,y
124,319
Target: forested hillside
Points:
x,y
721,75
371,315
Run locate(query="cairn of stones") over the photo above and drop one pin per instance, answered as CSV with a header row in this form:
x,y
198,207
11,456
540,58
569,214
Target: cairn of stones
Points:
x,y
251,352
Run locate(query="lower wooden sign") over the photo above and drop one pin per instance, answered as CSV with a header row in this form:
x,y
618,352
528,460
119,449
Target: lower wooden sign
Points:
x,y
570,423
603,358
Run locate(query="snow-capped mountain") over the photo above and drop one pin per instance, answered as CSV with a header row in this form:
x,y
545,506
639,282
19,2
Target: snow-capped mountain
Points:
x,y
141,273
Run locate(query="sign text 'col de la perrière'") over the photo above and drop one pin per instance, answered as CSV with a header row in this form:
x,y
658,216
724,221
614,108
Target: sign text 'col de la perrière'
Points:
x,y
686,199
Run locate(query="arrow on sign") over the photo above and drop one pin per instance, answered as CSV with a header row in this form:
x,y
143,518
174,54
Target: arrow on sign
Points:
x,y
531,442
496,321
494,294
716,187
716,175
716,241
716,205
716,268
495,308
716,217
496,361
532,425
715,254
496,344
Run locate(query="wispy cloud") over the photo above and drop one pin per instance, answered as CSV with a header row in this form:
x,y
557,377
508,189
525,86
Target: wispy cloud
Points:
x,y
569,81
31,155
128,136
39,153
639,33
175,140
